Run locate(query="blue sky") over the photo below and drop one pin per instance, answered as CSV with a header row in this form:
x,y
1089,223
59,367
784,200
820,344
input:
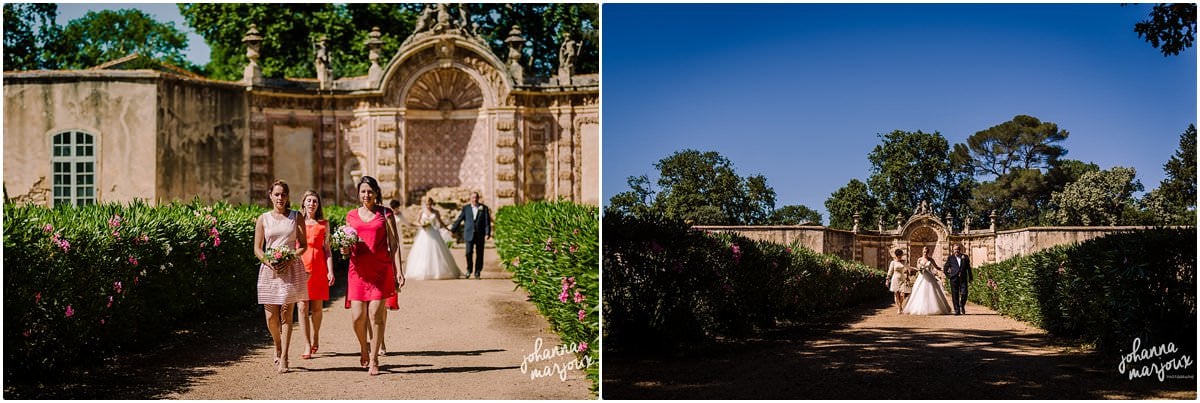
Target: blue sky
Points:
x,y
197,51
800,92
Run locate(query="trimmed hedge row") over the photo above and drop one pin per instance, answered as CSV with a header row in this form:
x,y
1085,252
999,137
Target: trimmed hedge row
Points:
x,y
552,249
82,283
665,283
1105,291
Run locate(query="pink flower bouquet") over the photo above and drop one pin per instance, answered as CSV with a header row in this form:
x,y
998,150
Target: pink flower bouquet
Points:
x,y
279,254
344,237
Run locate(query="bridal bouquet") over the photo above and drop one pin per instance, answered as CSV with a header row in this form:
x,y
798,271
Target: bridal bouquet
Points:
x,y
279,254
344,237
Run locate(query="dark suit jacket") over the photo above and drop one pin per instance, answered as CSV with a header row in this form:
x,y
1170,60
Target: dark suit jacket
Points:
x,y
954,270
474,225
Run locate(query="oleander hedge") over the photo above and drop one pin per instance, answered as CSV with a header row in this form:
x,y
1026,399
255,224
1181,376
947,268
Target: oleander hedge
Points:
x,y
666,284
552,249
82,283
1105,291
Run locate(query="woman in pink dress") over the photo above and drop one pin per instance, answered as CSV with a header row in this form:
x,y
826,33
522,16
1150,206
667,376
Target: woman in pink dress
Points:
x,y
285,283
373,276
317,261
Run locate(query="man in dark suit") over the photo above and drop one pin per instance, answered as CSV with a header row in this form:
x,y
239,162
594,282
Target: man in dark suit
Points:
x,y
958,271
476,231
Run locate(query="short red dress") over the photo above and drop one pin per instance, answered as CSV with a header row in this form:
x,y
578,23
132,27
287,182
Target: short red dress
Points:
x,y
314,261
371,268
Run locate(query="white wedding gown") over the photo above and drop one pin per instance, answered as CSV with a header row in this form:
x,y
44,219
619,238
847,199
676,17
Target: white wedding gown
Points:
x,y
927,296
430,258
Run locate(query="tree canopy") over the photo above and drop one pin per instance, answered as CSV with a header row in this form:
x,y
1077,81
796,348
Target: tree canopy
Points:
x,y
701,188
795,215
1021,143
1097,198
910,167
29,34
106,35
1171,27
290,30
854,198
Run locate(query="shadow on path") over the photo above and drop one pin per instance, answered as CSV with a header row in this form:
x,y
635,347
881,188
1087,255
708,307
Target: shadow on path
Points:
x,y
876,354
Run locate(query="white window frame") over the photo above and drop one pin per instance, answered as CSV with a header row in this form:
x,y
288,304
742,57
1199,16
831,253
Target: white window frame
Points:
x,y
72,161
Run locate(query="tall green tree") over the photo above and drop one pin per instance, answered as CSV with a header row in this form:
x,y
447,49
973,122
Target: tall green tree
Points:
x,y
1013,157
794,215
1171,27
701,188
106,35
910,167
1025,142
1179,187
854,198
29,34
1098,198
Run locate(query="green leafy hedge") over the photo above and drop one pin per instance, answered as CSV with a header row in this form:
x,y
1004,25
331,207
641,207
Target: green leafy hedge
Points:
x,y
666,284
1106,291
552,249
82,283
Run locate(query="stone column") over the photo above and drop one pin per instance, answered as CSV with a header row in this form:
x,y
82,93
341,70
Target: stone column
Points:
x,y
507,147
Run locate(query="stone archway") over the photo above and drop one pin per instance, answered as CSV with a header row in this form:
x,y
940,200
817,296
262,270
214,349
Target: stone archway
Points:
x,y
445,140
919,238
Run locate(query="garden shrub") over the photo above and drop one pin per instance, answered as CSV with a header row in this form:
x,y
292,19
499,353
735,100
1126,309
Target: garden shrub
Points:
x,y
552,249
82,283
665,283
1105,291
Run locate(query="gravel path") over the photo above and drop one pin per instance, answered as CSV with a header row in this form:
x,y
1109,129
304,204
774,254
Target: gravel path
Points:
x,y
879,354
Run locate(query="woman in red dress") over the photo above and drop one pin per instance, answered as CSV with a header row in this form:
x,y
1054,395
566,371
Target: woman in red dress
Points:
x,y
373,276
318,262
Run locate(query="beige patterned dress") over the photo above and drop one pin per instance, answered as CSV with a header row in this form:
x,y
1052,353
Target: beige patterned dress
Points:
x,y
288,286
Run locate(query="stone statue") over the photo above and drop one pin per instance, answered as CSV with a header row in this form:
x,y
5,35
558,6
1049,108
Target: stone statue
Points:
x,y
427,19
923,209
566,59
322,64
464,17
443,17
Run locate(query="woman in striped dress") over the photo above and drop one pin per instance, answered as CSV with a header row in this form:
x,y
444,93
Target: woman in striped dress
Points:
x,y
282,285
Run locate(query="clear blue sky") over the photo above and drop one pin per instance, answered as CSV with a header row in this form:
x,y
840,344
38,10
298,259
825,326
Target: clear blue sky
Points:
x,y
198,51
800,92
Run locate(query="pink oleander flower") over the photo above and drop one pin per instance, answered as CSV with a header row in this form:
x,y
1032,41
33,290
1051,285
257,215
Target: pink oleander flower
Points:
x,y
575,231
202,257
37,298
574,248
70,312
101,322
582,314
203,244
133,261
110,301
737,253
583,346
216,242
47,228
516,262
579,297
549,245
117,286
563,296
213,233
992,284
115,221
116,234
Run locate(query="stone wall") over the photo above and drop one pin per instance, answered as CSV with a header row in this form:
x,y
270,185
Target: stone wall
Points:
x,y
118,108
202,142
875,249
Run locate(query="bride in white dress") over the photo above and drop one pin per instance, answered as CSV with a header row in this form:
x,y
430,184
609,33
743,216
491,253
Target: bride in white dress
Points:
x,y
430,258
928,296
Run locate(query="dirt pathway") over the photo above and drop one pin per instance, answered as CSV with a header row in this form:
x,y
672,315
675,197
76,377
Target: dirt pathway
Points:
x,y
451,339
883,355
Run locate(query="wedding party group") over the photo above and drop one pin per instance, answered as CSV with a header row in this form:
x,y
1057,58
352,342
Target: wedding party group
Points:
x,y
919,291
294,248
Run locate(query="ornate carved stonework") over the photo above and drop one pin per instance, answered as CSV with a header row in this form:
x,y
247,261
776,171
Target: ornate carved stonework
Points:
x,y
506,141
445,89
506,192
505,125
504,159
